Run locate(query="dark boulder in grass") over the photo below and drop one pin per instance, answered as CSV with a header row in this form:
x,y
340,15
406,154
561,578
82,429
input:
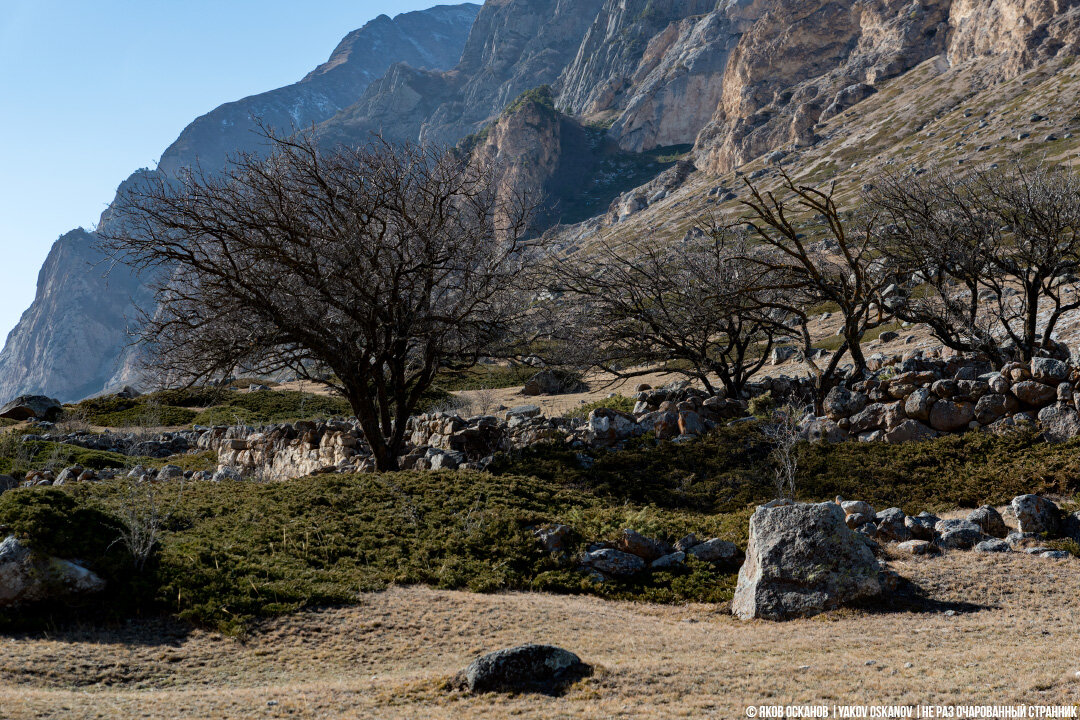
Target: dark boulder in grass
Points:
x,y
526,668
31,407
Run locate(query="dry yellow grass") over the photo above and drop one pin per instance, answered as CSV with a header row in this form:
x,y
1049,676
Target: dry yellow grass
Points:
x,y
1013,639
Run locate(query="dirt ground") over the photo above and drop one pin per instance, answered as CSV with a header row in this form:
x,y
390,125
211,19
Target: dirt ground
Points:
x,y
971,628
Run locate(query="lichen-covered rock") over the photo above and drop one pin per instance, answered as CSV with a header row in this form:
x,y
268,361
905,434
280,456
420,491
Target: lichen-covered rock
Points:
x,y
1049,370
915,547
993,407
1059,422
922,525
528,668
958,534
993,545
802,560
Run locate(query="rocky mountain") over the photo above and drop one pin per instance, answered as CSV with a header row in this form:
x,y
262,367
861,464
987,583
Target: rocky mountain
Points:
x,y
639,115
72,341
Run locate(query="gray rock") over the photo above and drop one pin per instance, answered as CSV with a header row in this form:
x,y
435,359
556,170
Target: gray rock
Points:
x,y
715,550
922,525
687,542
170,472
949,416
1020,540
857,520
841,403
1055,555
994,407
675,559
989,521
613,562
1060,422
1049,370
891,526
915,547
529,668
645,548
909,431
554,538
802,560
28,577
1035,514
1034,393
225,474
851,507
956,534
918,404
993,545
522,411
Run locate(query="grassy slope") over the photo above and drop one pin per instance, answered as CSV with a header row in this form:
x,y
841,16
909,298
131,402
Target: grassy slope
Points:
x,y
230,553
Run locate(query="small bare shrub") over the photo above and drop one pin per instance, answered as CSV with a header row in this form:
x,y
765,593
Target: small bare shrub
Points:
x,y
784,431
143,508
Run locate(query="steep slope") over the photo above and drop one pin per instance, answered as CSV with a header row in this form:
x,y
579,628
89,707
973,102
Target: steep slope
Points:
x,y
72,340
67,342
514,46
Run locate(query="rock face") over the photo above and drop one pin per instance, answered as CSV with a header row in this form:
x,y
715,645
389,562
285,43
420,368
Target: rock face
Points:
x,y
72,340
801,561
28,577
529,668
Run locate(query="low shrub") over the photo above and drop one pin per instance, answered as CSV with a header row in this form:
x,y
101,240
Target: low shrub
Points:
x,y
619,402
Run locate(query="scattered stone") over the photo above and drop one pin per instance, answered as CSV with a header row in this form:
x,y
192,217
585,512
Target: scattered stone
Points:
x,y
989,521
554,538
915,547
891,526
645,548
675,559
613,562
993,545
715,550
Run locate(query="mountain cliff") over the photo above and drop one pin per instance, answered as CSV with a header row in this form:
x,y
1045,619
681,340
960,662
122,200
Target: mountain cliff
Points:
x,y
72,341
636,116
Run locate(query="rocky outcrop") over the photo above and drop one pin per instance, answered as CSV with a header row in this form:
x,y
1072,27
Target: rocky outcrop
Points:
x,y
803,560
72,341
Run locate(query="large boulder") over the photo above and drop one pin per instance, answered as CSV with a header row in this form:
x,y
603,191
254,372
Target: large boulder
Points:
x,y
31,407
802,560
527,668
28,577
553,382
1035,514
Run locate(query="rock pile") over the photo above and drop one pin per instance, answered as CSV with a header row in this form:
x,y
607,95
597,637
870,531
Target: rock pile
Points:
x,y
917,399
633,553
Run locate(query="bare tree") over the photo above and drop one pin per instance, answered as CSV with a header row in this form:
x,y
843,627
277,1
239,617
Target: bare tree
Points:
x,y
366,270
814,255
934,237
995,247
697,309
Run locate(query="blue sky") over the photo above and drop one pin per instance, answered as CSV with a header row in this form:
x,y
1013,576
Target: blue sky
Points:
x,y
92,90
